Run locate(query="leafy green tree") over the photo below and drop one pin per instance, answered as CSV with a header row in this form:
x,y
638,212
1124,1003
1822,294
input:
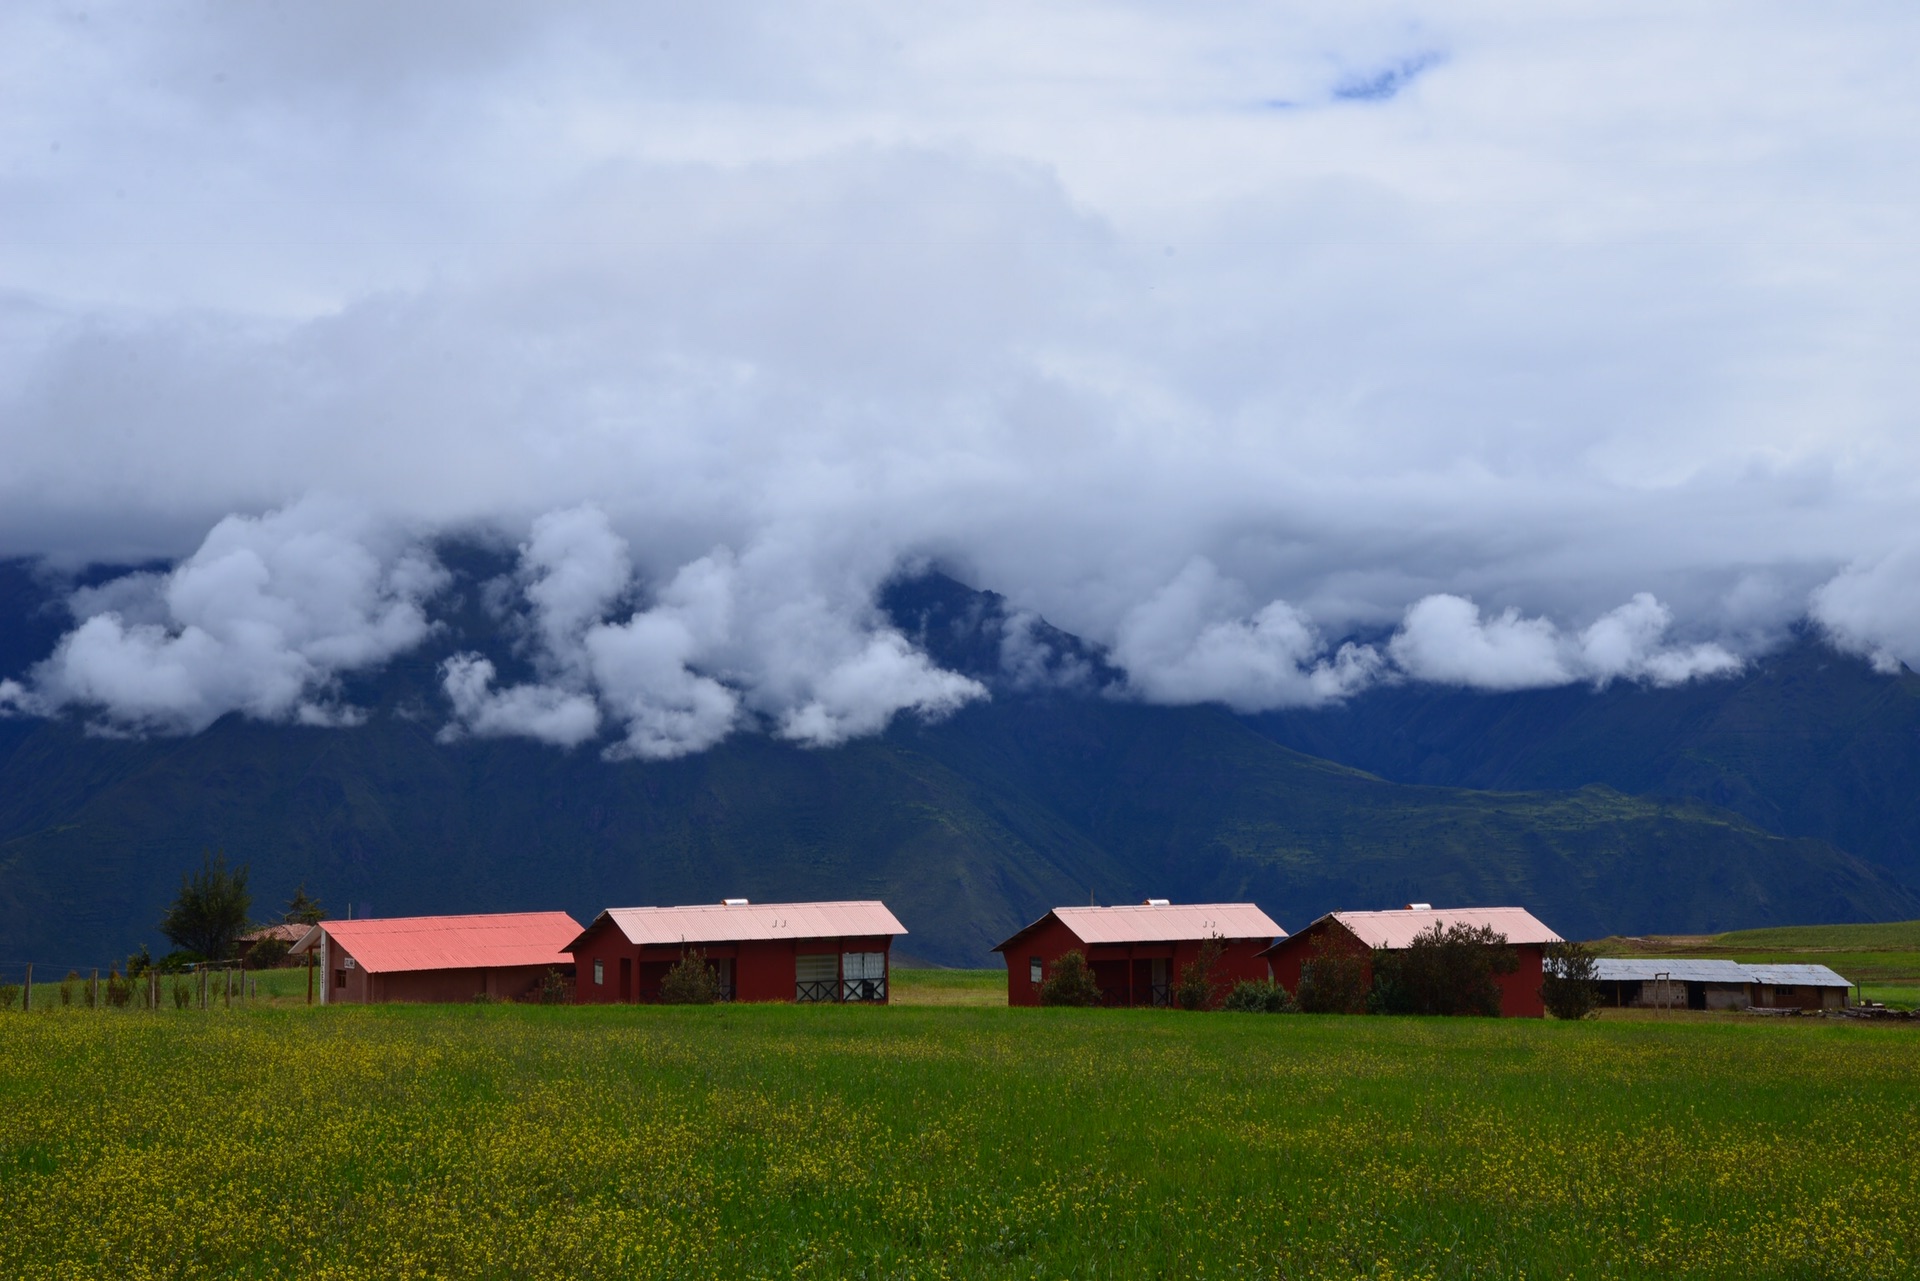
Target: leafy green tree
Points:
x,y
212,909
1445,970
1070,982
302,909
1568,987
691,981
1334,979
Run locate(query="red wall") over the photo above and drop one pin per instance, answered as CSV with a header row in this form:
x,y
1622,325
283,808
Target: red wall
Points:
x,y
763,969
1519,991
511,983
1114,963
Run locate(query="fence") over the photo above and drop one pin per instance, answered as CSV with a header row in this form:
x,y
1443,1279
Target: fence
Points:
x,y
28,986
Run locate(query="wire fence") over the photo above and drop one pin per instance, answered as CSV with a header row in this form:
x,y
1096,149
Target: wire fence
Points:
x,y
27,986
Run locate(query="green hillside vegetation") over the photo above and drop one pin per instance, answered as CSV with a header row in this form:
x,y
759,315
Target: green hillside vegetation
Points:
x,y
553,1142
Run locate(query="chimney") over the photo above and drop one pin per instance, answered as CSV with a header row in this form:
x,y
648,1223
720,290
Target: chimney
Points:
x,y
1159,902
1418,907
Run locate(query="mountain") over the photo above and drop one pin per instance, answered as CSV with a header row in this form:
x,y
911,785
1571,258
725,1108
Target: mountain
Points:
x,y
1804,742
1052,792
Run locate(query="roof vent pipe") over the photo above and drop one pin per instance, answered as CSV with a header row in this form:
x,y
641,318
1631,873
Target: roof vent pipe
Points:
x,y
1418,907
733,902
1159,902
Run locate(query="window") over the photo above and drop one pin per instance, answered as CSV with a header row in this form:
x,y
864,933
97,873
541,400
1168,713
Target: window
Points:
x,y
599,972
1033,969
863,976
339,978
815,976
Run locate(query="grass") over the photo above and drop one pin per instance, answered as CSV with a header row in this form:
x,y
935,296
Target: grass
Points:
x,y
1884,958
527,1142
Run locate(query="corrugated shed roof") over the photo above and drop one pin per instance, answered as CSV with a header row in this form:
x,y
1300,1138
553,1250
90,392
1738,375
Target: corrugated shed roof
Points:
x,y
1396,929
1794,975
397,943
738,922
1162,923
291,933
1644,969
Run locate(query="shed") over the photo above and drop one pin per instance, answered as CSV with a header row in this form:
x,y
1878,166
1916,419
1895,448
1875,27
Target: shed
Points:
x,y
1659,982
1137,950
1362,932
290,934
1803,987
762,951
502,955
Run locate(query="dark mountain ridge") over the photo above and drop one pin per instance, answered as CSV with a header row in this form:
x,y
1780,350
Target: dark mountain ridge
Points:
x,y
1052,792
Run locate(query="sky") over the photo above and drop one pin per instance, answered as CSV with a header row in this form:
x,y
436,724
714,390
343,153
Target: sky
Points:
x,y
1281,349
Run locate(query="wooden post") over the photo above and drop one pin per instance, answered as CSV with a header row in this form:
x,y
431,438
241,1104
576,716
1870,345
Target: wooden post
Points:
x,y
26,992
93,990
309,976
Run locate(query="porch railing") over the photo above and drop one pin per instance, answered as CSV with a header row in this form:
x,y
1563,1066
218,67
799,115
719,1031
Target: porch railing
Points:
x,y
841,990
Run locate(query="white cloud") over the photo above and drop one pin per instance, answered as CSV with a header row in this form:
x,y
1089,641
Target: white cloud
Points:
x,y
561,717
1444,639
262,619
1873,609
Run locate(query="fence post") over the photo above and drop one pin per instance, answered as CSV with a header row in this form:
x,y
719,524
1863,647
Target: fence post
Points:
x,y
93,989
26,992
309,976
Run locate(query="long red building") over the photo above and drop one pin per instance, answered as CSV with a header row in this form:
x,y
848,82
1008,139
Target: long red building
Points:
x,y
1362,932
503,956
762,951
1137,951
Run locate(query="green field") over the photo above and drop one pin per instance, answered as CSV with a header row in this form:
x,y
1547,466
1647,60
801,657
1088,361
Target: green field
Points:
x,y
1884,959
925,1141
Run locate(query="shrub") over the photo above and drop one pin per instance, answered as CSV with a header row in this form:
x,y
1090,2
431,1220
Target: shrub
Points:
x,y
177,961
1568,988
691,981
1070,982
487,998
66,987
139,963
9,993
1334,979
182,993
1444,971
1259,996
267,953
119,990
555,988
1198,988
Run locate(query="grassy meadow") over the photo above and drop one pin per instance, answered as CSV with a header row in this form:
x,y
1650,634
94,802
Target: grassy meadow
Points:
x,y
947,1140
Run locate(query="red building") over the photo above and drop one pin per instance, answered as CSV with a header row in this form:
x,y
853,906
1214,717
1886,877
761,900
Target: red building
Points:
x,y
1362,932
763,951
503,955
1137,951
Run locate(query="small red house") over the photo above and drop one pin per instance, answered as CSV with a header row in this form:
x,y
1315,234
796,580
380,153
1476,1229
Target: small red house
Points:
x,y
1361,932
503,955
1137,951
763,951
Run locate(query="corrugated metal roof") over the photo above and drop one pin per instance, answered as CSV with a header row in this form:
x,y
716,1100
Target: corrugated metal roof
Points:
x,y
737,922
291,933
391,944
1644,969
1396,929
1794,975
1162,923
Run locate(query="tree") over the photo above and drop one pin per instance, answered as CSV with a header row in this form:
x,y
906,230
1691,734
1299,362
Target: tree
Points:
x,y
302,909
691,981
1196,989
1334,979
211,911
1445,970
1568,986
1070,982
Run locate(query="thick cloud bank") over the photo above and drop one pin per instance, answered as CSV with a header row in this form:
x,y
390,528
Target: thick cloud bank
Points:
x,y
1220,335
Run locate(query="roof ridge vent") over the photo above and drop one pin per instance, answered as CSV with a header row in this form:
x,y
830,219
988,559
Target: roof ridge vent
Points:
x,y
1418,907
1158,902
733,902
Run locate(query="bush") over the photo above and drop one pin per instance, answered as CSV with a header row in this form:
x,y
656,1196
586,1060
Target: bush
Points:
x,y
178,961
139,962
182,994
1198,988
66,987
1070,982
1334,979
1444,971
9,993
555,988
1568,988
267,953
1259,996
691,981
119,990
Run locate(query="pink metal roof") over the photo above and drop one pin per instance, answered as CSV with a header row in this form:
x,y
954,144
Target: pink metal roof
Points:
x,y
384,946
1162,923
735,922
1397,928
